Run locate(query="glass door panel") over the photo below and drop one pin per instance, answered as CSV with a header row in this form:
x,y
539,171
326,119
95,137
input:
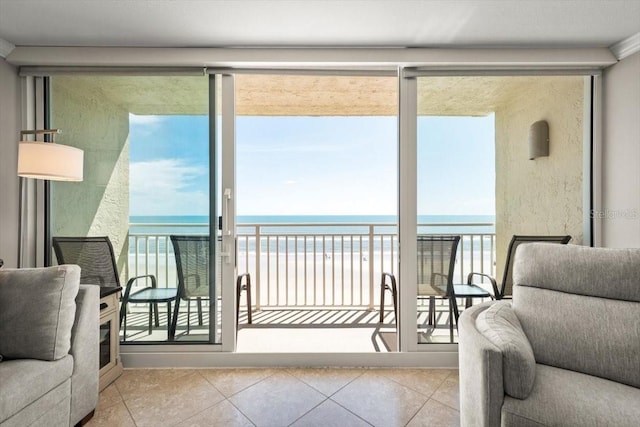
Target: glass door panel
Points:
x,y
147,175
477,185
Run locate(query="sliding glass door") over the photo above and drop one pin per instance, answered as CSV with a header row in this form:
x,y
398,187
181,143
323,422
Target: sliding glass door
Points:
x,y
476,184
148,184
163,154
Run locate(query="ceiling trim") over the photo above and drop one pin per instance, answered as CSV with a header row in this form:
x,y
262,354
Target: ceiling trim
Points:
x,y
355,58
5,48
626,47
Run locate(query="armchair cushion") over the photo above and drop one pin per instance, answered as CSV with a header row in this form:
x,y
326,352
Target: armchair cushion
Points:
x,y
37,311
561,397
26,381
501,327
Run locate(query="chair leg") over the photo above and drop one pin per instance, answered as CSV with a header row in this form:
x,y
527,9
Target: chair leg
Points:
x,y
238,291
199,302
453,315
432,311
394,295
168,319
382,289
155,308
123,318
123,325
456,312
188,316
150,317
450,321
174,321
249,306
239,288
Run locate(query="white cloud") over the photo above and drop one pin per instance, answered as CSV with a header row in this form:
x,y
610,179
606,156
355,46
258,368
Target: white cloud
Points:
x,y
166,187
301,147
135,119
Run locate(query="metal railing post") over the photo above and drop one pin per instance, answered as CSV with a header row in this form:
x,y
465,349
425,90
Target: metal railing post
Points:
x,y
258,256
371,252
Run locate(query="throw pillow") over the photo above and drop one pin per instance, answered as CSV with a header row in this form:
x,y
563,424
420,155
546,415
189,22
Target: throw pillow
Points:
x,y
37,311
500,325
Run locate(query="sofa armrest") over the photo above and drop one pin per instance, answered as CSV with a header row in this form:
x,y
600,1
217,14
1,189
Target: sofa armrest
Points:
x,y
85,342
481,382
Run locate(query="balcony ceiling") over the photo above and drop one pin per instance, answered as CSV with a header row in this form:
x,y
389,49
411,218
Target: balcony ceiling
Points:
x,y
287,95
314,23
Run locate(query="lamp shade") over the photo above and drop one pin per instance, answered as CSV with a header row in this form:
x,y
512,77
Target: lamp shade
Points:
x,y
47,160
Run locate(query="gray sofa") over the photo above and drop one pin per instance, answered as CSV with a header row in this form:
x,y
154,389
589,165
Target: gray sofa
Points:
x,y
49,343
565,351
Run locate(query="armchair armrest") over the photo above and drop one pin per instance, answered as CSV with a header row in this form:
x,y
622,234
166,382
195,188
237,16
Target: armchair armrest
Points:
x,y
481,382
85,342
496,358
494,285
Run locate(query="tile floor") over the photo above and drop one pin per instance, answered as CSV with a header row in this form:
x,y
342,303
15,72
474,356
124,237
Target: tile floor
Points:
x,y
325,397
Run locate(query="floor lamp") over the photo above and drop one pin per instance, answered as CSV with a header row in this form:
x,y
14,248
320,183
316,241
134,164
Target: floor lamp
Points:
x,y
44,160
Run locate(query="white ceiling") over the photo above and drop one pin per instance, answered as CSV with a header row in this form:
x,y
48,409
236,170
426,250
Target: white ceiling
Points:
x,y
327,23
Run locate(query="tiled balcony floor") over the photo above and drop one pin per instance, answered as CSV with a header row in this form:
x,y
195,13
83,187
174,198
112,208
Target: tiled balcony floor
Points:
x,y
332,330
281,397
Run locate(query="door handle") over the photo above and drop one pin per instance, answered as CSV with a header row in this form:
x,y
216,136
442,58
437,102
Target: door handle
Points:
x,y
226,229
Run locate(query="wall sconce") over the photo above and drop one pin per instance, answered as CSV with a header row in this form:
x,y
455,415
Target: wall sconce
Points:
x,y
48,160
539,140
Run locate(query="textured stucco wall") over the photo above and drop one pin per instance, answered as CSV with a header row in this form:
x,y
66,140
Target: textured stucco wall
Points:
x,y
10,103
620,213
99,205
542,196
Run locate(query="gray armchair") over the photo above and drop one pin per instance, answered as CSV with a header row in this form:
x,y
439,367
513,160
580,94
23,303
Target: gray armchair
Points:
x,y
565,352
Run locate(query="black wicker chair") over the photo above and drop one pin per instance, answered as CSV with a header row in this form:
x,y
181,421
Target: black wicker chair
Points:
x,y
193,268
435,264
96,259
506,288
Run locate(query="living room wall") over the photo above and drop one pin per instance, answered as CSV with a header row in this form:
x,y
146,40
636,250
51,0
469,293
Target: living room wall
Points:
x,y
620,214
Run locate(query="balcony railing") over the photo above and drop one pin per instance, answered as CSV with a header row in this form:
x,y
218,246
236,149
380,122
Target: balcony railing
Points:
x,y
311,265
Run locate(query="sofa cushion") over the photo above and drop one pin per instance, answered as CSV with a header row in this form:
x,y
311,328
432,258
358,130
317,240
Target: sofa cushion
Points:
x,y
25,381
567,398
37,310
500,325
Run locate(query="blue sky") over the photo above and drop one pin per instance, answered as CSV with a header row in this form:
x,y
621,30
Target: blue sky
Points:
x,y
313,165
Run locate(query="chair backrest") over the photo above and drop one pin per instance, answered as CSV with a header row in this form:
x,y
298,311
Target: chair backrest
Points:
x,y
507,279
94,255
193,265
580,308
436,260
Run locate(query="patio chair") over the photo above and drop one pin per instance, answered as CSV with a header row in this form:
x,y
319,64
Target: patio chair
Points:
x,y
192,263
506,288
97,262
436,262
